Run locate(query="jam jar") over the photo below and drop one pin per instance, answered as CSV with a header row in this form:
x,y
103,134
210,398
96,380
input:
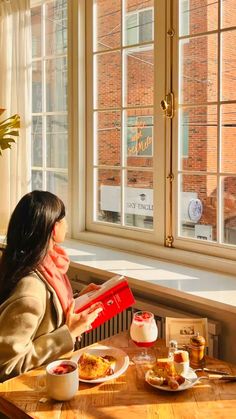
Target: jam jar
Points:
x,y
197,351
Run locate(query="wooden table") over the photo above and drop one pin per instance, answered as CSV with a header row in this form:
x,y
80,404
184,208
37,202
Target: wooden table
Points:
x,y
126,397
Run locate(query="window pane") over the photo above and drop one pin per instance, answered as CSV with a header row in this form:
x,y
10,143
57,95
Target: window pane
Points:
x,y
36,86
57,145
107,24
56,27
108,200
139,137
122,137
108,137
36,180
56,84
229,187
228,65
139,76
228,15
138,21
36,31
108,80
198,207
198,138
49,144
197,16
139,199
228,136
36,148
57,183
198,69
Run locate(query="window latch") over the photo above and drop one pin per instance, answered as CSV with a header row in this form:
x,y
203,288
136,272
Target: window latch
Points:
x,y
167,105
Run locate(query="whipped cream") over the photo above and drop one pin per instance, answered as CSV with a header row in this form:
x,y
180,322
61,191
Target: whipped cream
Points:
x,y
145,331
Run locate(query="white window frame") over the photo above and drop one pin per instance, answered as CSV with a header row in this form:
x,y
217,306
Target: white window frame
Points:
x,y
185,243
108,228
143,243
186,252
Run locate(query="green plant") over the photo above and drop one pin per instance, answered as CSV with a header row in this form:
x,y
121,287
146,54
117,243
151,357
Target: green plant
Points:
x,y
8,128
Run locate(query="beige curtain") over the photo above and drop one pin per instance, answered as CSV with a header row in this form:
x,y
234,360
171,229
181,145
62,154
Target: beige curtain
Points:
x,y
15,97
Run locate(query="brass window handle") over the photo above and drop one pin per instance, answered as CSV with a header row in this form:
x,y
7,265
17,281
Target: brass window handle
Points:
x,y
167,105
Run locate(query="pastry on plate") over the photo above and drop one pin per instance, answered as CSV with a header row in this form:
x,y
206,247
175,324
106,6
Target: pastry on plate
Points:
x,y
165,368
92,367
164,374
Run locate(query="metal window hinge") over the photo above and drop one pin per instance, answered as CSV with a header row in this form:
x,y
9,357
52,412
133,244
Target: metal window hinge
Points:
x,y
167,105
171,32
169,241
171,177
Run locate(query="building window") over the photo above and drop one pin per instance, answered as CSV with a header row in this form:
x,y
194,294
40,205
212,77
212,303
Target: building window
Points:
x,y
184,134
49,157
139,26
184,16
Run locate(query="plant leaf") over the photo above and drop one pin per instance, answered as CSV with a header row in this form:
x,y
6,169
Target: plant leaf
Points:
x,y
14,133
6,143
9,122
8,129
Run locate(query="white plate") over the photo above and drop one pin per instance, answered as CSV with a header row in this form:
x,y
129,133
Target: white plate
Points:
x,y
191,379
122,361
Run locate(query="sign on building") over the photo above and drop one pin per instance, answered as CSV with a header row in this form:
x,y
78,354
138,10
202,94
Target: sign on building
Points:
x,y
139,136
137,201
203,232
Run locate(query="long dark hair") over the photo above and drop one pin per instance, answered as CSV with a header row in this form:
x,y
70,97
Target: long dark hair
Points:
x,y
28,236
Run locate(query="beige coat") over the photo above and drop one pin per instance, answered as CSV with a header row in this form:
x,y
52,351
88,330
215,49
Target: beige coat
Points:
x,y
32,329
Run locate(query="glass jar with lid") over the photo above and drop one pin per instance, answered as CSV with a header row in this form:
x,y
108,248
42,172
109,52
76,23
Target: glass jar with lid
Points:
x,y
197,351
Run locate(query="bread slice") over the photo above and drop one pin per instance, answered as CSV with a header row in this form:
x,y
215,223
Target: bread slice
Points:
x,y
92,367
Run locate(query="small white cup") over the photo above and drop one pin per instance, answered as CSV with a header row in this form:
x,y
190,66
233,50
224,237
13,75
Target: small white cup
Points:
x,y
62,386
182,368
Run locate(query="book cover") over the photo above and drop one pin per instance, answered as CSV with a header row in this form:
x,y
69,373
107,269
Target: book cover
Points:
x,y
114,296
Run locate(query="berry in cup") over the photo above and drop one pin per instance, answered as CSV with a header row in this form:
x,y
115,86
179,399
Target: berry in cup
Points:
x,y
62,369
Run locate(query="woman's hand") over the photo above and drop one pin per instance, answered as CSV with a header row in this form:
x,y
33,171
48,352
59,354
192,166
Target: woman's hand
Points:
x,y
78,323
89,288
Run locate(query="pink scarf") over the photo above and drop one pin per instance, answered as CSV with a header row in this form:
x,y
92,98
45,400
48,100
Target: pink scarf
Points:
x,y
54,268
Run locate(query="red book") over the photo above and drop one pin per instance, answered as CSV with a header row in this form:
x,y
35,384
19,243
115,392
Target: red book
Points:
x,y
114,297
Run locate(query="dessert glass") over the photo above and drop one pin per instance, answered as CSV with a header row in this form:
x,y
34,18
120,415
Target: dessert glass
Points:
x,y
144,332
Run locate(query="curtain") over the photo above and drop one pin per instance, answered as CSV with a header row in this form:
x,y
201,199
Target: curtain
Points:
x,y
15,97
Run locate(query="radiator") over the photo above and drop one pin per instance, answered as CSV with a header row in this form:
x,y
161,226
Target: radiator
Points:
x,y
119,323
122,322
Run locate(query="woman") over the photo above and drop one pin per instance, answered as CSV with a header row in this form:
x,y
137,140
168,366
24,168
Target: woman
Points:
x,y
37,319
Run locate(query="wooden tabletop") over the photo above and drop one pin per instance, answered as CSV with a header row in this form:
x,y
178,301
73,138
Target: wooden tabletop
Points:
x,y
128,396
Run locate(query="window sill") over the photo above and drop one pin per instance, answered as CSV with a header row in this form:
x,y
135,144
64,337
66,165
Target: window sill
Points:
x,y
156,276
189,255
